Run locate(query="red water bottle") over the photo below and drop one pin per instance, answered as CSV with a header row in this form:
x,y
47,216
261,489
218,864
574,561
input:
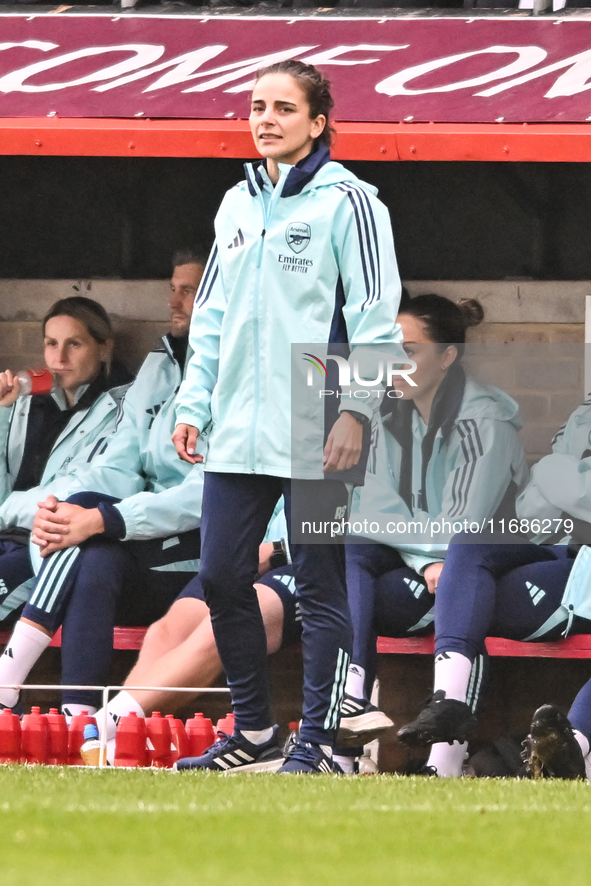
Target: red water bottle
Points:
x,y
179,740
34,381
35,737
226,724
76,737
200,734
158,741
58,738
10,737
130,741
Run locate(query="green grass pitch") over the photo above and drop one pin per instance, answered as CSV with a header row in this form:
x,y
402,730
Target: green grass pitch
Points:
x,y
75,826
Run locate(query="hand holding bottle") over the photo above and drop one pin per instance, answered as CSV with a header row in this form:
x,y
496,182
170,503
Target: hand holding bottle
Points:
x,y
23,383
9,388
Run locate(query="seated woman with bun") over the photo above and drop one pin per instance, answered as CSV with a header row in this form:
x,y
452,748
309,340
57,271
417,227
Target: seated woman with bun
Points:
x,y
447,450
45,438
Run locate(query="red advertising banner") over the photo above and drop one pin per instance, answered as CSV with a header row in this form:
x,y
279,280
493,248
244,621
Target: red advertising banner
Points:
x,y
444,70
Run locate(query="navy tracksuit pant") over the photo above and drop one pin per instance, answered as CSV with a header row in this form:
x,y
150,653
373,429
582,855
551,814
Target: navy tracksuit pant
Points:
x,y
505,591
90,588
498,590
236,511
389,599
486,589
16,572
580,712
386,598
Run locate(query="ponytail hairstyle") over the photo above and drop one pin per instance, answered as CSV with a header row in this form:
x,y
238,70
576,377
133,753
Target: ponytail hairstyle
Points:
x,y
445,321
88,312
315,87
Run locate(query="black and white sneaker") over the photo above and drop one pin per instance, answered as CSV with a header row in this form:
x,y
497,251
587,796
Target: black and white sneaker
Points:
x,y
551,749
361,722
442,719
304,757
233,753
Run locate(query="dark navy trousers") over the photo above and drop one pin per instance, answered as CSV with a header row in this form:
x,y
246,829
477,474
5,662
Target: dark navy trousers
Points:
x,y
386,598
580,712
389,599
498,590
236,511
16,572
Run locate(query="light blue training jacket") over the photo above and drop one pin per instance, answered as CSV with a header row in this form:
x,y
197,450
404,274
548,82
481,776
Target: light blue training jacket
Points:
x,y
77,445
561,482
471,468
161,494
560,485
308,260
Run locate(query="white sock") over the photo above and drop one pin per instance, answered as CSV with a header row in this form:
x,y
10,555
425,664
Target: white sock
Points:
x,y
347,764
22,651
355,684
448,759
119,706
366,765
583,741
452,675
74,710
257,736
326,748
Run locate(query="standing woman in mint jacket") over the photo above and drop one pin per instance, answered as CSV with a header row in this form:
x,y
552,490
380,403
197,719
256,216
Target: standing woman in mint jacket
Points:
x,y
304,253
46,438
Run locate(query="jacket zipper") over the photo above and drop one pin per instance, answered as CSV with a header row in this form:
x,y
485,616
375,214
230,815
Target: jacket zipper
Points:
x,y
256,325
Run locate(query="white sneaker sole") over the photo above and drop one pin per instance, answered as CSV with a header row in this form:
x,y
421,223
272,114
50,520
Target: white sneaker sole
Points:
x,y
364,727
267,766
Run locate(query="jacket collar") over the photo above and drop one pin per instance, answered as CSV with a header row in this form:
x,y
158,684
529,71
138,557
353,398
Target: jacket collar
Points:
x,y
176,348
444,413
298,176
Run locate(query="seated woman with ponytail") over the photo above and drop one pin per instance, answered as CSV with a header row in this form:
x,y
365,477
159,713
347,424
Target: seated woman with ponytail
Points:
x,y
445,451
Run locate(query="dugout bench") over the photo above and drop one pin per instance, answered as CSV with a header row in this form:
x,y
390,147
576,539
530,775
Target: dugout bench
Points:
x,y
577,646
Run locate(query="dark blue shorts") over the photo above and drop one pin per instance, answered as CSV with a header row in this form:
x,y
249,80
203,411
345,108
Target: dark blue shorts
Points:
x,y
282,581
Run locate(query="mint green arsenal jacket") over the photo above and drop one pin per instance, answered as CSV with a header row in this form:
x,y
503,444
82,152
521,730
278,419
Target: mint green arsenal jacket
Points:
x,y
160,494
474,469
310,260
561,482
79,442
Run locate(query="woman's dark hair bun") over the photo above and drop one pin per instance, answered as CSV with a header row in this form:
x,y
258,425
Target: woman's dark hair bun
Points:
x,y
445,321
472,311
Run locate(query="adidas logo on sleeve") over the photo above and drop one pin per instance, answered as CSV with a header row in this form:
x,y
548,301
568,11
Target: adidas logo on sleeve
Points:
x,y
237,241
